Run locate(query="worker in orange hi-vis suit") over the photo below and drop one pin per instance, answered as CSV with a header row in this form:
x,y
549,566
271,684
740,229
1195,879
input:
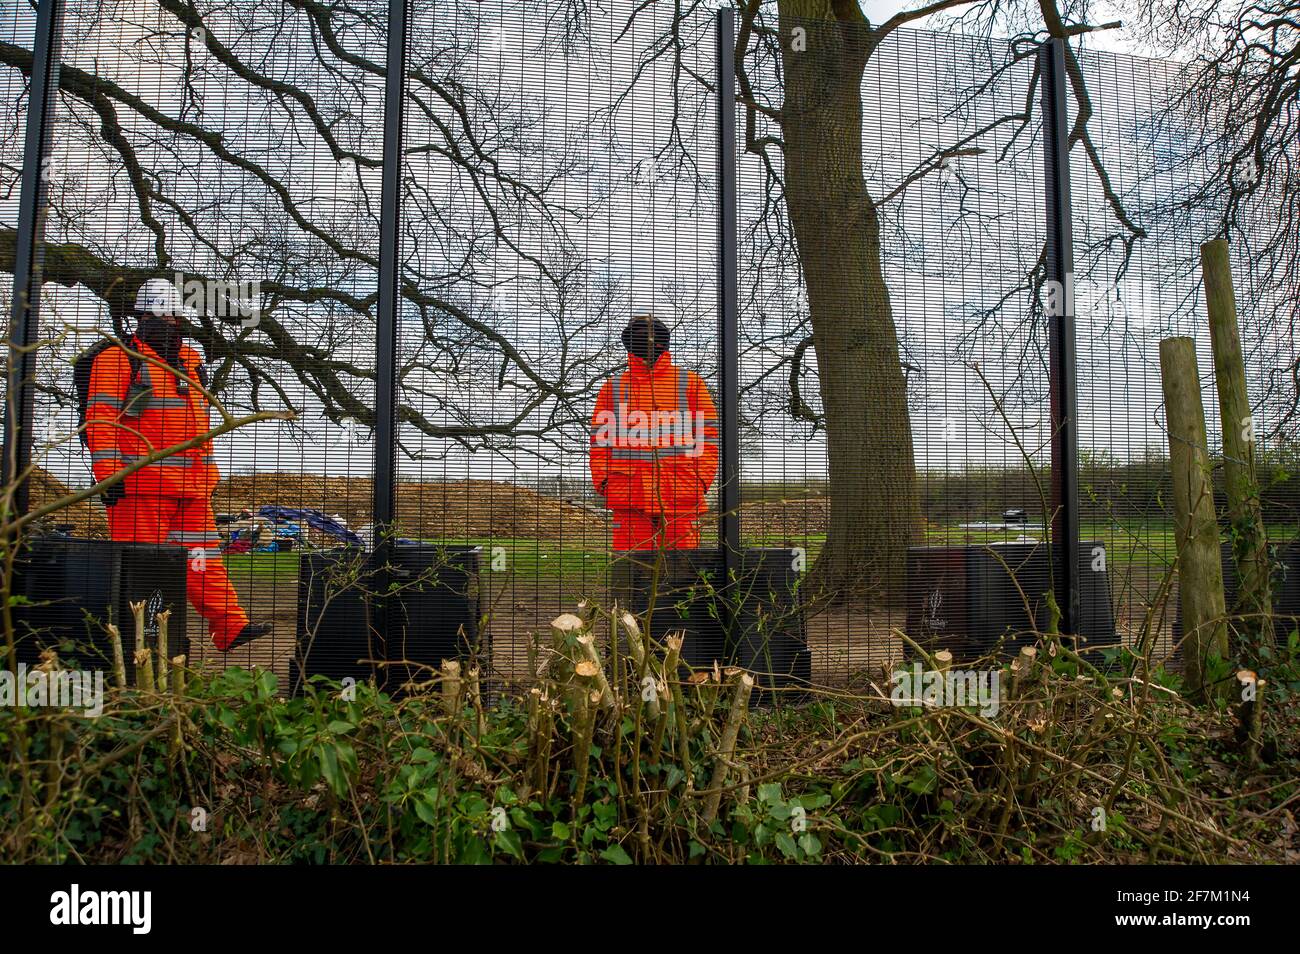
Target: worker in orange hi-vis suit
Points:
x,y
135,407
654,444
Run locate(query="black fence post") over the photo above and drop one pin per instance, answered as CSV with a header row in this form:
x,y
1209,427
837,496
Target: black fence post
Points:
x,y
387,310
24,323
1064,385
390,276
728,330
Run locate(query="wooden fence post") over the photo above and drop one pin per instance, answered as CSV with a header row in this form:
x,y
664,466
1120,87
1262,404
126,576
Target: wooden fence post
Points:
x,y
1245,516
1200,573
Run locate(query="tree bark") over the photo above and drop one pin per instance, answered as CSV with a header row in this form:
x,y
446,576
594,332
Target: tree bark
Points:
x,y
875,509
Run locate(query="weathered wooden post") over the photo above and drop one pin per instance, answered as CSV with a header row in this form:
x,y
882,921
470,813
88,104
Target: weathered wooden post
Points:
x,y
1200,574
1241,482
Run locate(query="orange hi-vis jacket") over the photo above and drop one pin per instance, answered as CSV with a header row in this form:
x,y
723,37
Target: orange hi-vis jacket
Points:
x,y
174,412
654,439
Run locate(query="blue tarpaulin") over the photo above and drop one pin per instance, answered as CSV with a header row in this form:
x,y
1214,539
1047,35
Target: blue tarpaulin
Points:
x,y
314,519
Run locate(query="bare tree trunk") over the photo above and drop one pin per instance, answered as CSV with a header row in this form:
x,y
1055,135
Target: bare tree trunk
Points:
x,y
875,509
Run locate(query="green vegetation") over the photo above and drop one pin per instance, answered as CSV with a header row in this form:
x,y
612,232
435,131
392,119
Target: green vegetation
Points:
x,y
332,777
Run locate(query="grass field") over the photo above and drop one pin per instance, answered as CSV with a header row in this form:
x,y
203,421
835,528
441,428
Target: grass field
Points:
x,y
263,567
524,557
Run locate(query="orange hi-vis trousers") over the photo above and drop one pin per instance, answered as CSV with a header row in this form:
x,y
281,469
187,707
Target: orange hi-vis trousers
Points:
x,y
637,530
187,522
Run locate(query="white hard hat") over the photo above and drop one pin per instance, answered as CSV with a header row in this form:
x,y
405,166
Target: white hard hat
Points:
x,y
158,296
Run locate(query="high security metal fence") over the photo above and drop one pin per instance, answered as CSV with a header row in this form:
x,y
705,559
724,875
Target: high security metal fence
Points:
x,y
1141,210
411,250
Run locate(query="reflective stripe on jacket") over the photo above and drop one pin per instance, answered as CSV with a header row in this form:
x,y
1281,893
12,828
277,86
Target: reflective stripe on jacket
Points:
x,y
174,412
654,439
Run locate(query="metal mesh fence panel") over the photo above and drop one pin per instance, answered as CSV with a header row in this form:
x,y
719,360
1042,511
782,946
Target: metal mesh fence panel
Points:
x,y
17,28
895,373
1145,199
558,186
232,153
562,356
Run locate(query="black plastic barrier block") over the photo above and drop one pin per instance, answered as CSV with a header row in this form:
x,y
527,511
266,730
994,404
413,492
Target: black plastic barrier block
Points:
x,y
965,599
673,591
771,634
74,587
759,626
393,625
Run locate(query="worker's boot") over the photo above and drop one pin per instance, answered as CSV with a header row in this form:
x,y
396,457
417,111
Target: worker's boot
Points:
x,y
250,632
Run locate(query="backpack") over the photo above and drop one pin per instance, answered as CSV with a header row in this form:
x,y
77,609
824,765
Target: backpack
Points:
x,y
82,366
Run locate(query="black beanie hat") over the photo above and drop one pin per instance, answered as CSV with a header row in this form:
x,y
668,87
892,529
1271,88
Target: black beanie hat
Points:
x,y
643,333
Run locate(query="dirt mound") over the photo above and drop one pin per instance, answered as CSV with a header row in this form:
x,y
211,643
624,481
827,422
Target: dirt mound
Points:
x,y
788,519
85,518
449,510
